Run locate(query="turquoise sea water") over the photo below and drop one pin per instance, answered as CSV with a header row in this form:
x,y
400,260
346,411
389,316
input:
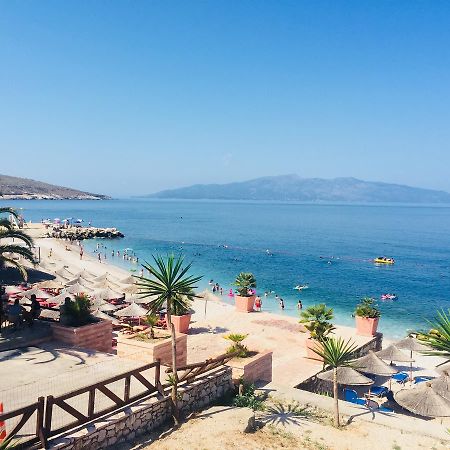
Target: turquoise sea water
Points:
x,y
224,238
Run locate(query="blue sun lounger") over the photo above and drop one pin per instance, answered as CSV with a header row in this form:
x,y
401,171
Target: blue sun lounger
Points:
x,y
401,377
351,396
379,391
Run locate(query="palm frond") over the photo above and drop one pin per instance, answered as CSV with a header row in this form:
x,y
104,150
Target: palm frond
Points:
x,y
336,352
4,260
16,234
8,210
25,252
438,338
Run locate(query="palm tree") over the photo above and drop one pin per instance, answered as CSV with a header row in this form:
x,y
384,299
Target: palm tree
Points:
x,y
438,338
336,353
8,232
317,321
169,284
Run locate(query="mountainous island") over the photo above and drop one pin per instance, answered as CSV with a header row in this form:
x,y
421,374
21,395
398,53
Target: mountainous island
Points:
x,y
15,188
295,188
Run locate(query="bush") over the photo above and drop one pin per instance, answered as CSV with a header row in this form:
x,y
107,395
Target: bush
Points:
x,y
316,319
77,312
237,347
248,398
367,308
245,281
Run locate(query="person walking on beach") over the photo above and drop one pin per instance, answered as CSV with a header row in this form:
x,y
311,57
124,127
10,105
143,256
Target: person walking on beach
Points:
x,y
81,252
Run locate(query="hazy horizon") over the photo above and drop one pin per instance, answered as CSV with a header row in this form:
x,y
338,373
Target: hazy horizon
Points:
x,y
132,98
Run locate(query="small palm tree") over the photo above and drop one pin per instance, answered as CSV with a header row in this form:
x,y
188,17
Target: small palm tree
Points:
x,y
169,282
316,319
245,281
336,353
151,320
237,347
7,232
438,338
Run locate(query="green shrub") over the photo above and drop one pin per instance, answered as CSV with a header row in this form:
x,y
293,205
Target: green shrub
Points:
x,y
367,308
77,312
245,281
316,319
248,398
237,347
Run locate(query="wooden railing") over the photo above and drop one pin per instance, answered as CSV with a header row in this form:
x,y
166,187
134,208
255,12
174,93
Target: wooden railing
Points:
x,y
191,371
26,439
52,429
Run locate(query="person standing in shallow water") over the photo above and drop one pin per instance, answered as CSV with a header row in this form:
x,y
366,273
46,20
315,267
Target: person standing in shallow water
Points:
x,y
258,303
281,303
299,305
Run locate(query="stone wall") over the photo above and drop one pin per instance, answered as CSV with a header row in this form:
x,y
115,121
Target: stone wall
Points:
x,y
95,336
146,415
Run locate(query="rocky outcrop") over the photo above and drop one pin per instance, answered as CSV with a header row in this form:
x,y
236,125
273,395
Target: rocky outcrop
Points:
x,y
79,233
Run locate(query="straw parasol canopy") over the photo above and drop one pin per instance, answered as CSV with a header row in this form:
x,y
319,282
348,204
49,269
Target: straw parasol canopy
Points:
x,y
423,401
392,353
84,274
412,344
129,280
77,288
37,292
105,276
106,294
64,273
141,300
101,315
50,284
371,363
107,307
59,299
133,310
131,289
106,284
441,385
347,376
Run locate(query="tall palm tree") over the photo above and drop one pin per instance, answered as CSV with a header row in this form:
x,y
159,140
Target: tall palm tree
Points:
x,y
438,338
7,232
336,353
169,283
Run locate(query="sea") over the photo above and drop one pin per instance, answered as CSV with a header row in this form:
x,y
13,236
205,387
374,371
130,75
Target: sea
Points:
x,y
329,247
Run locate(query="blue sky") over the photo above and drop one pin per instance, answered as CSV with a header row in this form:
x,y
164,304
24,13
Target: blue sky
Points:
x,y
127,97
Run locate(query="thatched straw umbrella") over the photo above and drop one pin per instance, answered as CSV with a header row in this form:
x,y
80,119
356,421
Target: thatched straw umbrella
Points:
x,y
393,353
107,284
37,292
371,363
441,385
101,315
11,290
106,294
84,274
107,307
346,376
129,280
105,276
50,284
59,299
131,289
64,273
132,310
412,344
423,401
78,288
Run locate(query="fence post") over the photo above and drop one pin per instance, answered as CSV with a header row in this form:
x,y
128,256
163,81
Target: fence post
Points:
x,y
40,431
48,416
158,377
91,404
126,395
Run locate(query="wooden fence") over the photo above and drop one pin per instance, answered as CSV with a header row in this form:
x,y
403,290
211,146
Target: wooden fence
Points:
x,y
48,422
191,371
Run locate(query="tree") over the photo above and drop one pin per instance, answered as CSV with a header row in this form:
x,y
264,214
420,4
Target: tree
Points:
x,y
244,282
336,353
7,232
169,283
438,338
317,321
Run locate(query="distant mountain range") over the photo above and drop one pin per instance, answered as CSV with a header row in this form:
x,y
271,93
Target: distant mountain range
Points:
x,y
295,188
14,188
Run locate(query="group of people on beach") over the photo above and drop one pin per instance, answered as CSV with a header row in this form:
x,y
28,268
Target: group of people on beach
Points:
x,y
16,313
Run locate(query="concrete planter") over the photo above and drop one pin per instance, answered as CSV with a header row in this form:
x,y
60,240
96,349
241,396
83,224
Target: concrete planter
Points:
x,y
254,368
94,336
366,326
310,345
130,348
181,323
244,304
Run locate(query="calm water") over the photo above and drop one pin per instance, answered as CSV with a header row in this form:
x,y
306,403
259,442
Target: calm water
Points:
x,y
301,239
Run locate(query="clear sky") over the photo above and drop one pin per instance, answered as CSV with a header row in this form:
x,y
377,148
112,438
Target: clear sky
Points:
x,y
128,97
